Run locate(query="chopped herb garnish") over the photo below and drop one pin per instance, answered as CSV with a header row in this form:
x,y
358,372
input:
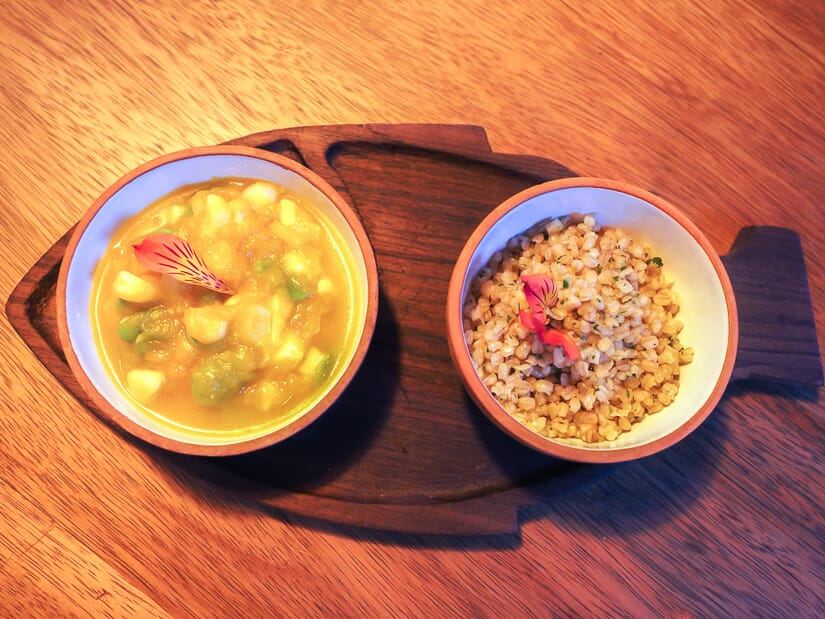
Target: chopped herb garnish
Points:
x,y
657,261
565,283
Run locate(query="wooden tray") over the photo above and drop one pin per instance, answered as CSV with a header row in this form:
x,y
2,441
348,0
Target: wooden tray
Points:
x,y
405,449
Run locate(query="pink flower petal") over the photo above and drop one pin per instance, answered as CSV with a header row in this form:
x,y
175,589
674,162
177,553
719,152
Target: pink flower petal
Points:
x,y
555,337
540,292
528,321
171,255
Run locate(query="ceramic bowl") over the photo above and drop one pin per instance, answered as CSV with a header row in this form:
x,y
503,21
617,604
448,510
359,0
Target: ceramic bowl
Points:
x,y
131,194
708,307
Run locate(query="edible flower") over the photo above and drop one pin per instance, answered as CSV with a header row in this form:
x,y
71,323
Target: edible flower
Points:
x,y
540,292
171,255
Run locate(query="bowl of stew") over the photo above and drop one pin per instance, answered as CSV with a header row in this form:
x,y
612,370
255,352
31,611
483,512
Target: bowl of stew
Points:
x,y
217,300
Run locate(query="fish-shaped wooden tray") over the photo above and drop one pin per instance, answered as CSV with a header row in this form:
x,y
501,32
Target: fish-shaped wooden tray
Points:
x,y
404,448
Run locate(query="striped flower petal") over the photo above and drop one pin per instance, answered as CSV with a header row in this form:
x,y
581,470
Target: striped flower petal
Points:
x,y
541,294
171,255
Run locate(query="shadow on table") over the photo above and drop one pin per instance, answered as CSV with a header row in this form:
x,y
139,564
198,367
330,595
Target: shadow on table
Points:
x,y
627,500
622,501
619,501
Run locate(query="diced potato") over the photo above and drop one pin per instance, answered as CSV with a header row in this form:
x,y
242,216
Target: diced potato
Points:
x,y
325,287
280,304
260,194
207,325
287,235
177,212
280,307
222,258
294,226
265,396
315,364
287,210
307,229
143,384
295,263
198,202
276,328
239,209
217,211
130,287
289,353
235,299
252,325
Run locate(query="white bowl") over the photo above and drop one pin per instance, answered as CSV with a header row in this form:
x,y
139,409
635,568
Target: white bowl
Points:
x,y
708,307
134,192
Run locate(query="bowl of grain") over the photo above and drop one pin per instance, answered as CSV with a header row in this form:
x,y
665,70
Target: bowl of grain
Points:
x,y
592,320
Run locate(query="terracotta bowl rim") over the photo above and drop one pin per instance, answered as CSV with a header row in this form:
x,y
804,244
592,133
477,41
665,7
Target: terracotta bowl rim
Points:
x,y
487,402
113,416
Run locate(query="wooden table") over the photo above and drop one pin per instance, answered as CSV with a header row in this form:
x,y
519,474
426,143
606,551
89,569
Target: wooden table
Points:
x,y
718,108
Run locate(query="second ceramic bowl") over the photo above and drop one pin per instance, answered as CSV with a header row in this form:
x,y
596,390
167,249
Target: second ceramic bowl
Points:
x,y
708,307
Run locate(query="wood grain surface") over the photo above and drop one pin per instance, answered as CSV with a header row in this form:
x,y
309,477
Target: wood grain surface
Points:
x,y
716,107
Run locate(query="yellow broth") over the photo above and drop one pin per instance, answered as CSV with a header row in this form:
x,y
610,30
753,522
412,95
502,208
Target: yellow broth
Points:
x,y
228,364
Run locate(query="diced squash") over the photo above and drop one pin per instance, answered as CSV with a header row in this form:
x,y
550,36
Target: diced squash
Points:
x,y
264,395
206,325
134,289
177,212
235,299
289,352
252,325
280,307
217,211
306,229
287,210
239,210
276,328
143,384
223,260
325,287
260,194
295,263
198,202
314,364
280,304
287,235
